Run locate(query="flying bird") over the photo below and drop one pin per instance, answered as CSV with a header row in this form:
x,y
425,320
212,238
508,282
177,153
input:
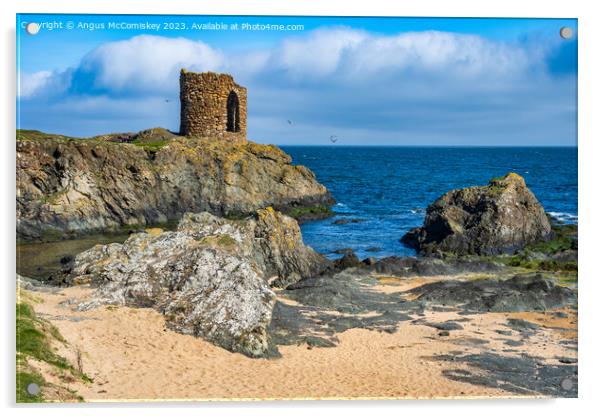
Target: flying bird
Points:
x,y
334,138
167,100
289,122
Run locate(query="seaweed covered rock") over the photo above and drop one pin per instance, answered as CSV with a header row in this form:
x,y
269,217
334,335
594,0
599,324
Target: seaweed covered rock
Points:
x,y
210,278
499,218
68,186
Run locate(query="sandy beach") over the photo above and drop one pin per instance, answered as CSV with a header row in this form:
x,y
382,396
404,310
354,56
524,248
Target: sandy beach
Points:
x,y
130,355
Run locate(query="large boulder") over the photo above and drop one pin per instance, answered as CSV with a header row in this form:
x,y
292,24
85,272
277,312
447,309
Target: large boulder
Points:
x,y
499,218
210,278
68,187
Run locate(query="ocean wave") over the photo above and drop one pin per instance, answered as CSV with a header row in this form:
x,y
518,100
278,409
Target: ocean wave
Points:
x,y
564,217
343,209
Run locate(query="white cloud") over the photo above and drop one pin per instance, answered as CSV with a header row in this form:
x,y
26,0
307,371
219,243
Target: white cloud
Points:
x,y
438,52
318,54
146,63
29,84
354,54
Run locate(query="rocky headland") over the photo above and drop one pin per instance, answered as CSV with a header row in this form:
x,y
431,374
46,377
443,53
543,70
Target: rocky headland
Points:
x,y
68,187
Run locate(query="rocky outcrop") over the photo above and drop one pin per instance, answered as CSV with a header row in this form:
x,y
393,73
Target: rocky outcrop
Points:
x,y
210,278
499,218
518,294
67,186
429,266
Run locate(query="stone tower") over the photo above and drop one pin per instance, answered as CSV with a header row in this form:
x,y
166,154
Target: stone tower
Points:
x,y
212,105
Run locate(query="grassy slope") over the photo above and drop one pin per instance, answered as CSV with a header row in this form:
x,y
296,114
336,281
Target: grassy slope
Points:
x,y
34,343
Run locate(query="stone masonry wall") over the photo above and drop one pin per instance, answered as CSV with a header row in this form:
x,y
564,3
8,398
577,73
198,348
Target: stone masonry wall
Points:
x,y
204,106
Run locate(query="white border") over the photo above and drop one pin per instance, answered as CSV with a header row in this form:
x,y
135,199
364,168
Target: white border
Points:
x,y
590,177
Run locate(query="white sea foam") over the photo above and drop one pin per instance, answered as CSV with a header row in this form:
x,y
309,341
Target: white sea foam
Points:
x,y
564,217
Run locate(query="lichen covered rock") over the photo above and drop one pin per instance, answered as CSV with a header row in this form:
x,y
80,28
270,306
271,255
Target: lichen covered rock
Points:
x,y
68,187
499,218
210,278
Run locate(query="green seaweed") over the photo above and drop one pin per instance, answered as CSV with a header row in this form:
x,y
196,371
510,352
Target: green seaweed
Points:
x,y
537,256
309,211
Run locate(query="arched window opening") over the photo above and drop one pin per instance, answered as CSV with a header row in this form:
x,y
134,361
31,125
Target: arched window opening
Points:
x,y
233,111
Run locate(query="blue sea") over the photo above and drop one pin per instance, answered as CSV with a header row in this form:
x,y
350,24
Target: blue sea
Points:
x,y
389,188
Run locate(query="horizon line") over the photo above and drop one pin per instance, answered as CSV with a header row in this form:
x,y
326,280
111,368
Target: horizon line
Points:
x,y
432,145
351,145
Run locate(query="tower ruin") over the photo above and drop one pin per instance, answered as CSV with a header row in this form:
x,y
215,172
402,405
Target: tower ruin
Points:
x,y
212,105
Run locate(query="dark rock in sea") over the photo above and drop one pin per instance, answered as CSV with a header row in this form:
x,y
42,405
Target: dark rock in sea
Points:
x,y
68,187
348,221
210,278
499,218
520,293
373,249
343,251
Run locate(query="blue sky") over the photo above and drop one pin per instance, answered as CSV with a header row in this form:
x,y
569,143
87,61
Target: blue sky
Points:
x,y
376,81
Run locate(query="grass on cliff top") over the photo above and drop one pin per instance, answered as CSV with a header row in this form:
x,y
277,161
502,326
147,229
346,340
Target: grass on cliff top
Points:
x,y
34,342
39,135
153,139
151,146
